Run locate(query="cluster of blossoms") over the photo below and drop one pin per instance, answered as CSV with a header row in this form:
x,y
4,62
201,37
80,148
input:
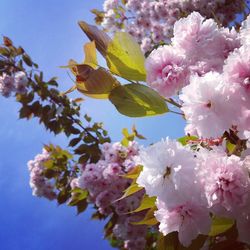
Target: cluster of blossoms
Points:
x,y
40,185
105,184
15,83
210,67
151,21
190,185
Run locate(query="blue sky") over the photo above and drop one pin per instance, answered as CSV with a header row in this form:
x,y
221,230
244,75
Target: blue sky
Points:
x,y
48,30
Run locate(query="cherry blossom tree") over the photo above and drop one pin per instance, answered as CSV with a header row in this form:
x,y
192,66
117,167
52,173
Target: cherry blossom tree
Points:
x,y
190,58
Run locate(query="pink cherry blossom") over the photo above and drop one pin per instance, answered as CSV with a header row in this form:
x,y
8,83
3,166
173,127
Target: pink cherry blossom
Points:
x,y
169,169
205,44
209,106
41,186
6,85
226,182
167,71
189,219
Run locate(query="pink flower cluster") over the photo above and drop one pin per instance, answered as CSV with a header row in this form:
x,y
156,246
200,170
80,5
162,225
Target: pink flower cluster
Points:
x,y
190,185
13,84
198,46
151,21
133,236
41,186
106,185
219,100
209,67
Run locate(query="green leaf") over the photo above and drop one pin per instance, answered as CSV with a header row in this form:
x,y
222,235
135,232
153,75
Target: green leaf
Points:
x,y
134,173
81,71
230,147
185,140
171,242
87,118
149,218
27,60
99,15
25,112
125,58
137,100
146,203
98,85
127,137
196,243
220,225
139,136
94,34
168,242
4,51
81,206
63,196
78,195
7,42
69,90
133,188
74,141
48,164
90,54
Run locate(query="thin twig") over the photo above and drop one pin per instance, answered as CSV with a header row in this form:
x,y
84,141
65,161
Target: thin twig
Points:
x,y
173,102
178,113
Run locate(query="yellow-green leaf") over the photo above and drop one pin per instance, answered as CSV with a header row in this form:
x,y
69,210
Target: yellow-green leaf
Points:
x,y
125,58
137,100
168,242
230,147
90,55
139,136
126,134
185,140
134,173
125,142
149,218
69,90
220,225
133,188
81,71
94,34
98,85
146,203
77,100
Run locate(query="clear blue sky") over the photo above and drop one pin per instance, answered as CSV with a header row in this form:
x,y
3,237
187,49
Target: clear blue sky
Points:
x,y
48,30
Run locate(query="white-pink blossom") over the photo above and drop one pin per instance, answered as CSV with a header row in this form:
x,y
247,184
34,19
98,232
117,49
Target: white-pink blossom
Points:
x,y
189,219
168,172
150,16
167,70
208,105
205,45
41,186
21,81
245,32
7,85
226,182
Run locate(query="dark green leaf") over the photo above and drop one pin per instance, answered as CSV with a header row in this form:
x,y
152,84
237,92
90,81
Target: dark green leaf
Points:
x,y
27,60
74,142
